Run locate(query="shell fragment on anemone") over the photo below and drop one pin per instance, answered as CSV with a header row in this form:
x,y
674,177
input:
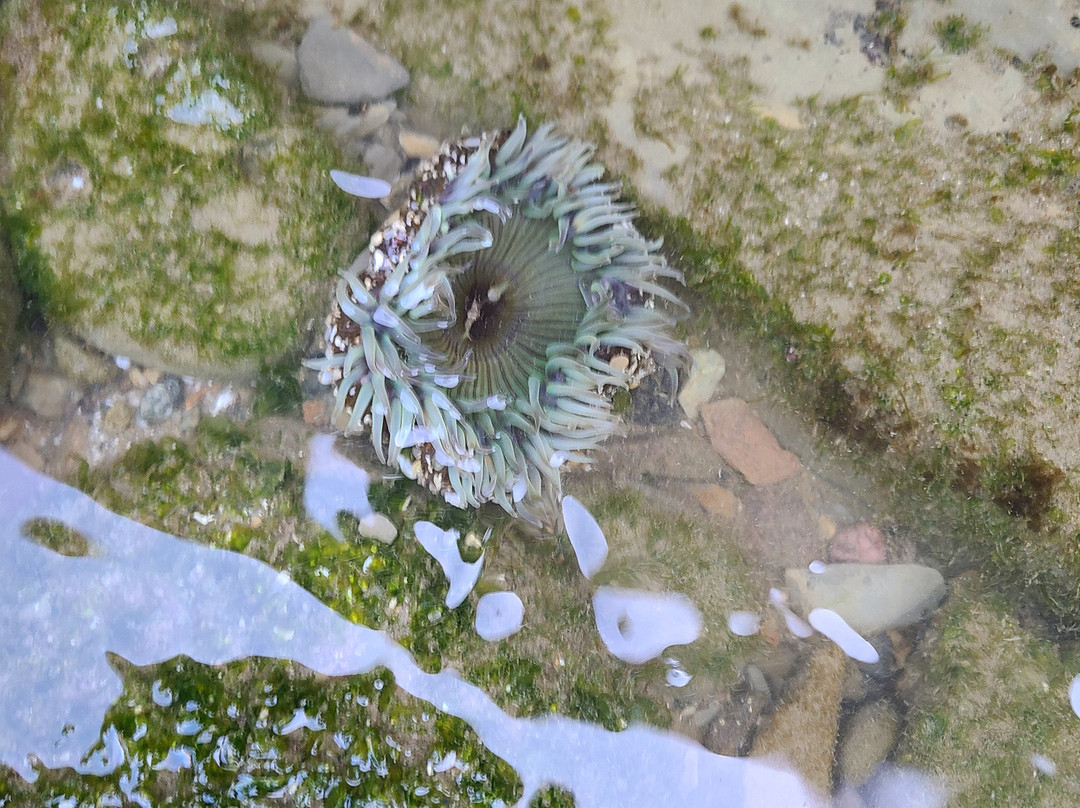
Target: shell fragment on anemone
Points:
x,y
479,339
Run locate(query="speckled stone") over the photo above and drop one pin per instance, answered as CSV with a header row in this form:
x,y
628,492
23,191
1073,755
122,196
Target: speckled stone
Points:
x,y
160,400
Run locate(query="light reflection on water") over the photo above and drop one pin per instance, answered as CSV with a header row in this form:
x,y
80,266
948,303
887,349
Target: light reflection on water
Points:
x,y
148,596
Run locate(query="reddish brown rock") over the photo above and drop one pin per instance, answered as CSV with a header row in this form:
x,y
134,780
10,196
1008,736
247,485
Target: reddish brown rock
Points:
x,y
860,544
746,443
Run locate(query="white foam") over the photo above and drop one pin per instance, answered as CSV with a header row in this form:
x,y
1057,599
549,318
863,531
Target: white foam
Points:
x,y
637,626
585,536
498,615
333,484
210,107
836,629
443,546
795,624
744,624
147,596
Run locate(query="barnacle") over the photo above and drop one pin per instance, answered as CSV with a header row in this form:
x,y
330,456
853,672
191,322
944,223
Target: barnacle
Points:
x,y
479,338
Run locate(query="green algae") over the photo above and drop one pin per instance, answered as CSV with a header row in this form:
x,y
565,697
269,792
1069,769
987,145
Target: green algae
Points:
x,y
995,695
249,498
149,235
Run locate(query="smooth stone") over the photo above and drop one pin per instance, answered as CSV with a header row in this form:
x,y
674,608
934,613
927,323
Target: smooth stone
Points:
x,y
159,402
708,369
869,597
746,443
281,60
338,66
382,161
417,146
868,741
378,527
46,394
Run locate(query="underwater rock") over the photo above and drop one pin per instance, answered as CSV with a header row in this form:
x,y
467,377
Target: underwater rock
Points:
x,y
867,742
338,66
746,443
869,597
46,394
705,375
862,543
127,194
803,730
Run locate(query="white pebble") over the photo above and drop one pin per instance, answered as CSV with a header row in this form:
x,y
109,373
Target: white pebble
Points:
x,y
744,624
357,185
122,362
498,615
850,641
637,626
443,546
817,567
585,536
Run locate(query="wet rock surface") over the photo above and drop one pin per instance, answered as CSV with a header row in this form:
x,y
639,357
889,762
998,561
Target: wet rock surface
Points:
x,y
746,443
339,66
869,597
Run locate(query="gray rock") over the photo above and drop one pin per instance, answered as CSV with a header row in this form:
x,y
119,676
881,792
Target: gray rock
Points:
x,y
338,66
870,597
161,399
46,394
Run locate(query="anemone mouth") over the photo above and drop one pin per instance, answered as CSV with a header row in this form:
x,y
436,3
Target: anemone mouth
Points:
x,y
512,301
479,339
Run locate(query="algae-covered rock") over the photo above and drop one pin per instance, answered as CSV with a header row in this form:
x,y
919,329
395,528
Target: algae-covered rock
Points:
x,y
161,197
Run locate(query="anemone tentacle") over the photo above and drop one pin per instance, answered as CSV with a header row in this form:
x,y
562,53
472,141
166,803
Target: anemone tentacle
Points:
x,y
479,338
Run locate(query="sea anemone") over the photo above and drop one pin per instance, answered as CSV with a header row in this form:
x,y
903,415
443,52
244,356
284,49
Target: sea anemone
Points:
x,y
480,337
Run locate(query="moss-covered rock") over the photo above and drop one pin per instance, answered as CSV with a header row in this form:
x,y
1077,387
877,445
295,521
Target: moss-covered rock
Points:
x,y
161,196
